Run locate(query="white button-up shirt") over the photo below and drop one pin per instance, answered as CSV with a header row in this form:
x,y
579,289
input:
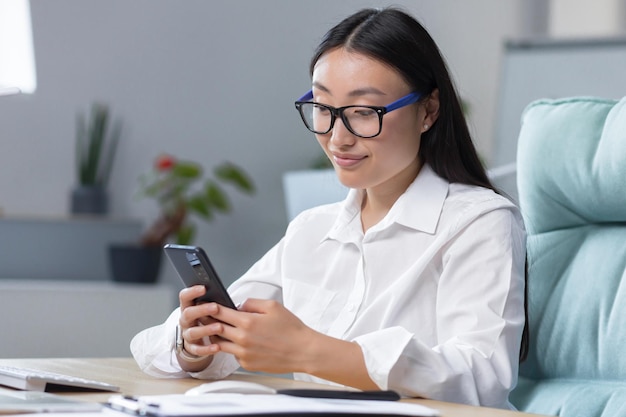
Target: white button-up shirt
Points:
x,y
433,293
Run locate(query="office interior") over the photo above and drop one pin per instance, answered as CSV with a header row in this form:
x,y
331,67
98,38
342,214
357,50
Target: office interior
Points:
x,y
208,81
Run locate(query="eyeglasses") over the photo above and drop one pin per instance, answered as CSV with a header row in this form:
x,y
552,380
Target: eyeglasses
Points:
x,y
362,121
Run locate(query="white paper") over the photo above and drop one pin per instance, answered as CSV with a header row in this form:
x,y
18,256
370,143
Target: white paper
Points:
x,y
247,404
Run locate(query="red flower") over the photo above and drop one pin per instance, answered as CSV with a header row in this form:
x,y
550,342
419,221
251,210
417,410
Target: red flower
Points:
x,y
164,163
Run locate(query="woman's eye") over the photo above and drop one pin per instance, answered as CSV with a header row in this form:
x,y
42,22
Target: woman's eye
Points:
x,y
364,112
321,109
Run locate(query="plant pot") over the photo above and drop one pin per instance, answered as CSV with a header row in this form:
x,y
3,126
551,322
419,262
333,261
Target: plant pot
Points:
x,y
88,199
134,263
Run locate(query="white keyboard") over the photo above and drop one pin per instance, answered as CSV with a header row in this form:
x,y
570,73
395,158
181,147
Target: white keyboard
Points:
x,y
38,380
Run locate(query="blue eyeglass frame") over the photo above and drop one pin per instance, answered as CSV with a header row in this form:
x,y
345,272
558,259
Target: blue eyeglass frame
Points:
x,y
338,111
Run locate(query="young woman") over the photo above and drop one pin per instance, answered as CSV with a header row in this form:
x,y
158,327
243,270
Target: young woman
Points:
x,y
414,283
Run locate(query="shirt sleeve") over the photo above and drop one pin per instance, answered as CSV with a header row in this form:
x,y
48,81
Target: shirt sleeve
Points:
x,y
154,350
479,321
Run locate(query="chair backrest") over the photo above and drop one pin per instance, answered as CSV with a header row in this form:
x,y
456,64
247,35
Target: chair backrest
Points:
x,y
571,174
310,188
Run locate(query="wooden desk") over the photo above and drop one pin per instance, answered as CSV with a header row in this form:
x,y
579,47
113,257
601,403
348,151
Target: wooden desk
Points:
x,y
124,373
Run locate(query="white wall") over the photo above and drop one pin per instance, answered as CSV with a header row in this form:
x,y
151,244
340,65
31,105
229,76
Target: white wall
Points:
x,y
580,18
211,81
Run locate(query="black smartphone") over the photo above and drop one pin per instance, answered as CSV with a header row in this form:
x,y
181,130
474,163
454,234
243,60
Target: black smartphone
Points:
x,y
194,268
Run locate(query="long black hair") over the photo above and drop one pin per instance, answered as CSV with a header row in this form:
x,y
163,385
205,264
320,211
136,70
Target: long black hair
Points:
x,y
393,37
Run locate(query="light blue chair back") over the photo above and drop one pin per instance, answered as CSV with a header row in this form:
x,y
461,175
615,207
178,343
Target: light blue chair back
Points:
x,y
572,192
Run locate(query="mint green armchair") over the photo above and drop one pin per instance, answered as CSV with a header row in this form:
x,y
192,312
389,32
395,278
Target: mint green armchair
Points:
x,y
572,192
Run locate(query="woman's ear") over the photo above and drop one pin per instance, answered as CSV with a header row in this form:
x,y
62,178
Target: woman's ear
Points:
x,y
432,110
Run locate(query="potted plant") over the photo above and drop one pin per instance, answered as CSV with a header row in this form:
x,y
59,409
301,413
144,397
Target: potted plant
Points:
x,y
95,152
182,192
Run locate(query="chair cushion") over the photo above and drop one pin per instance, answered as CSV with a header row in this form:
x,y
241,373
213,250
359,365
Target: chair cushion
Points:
x,y
569,397
572,163
572,193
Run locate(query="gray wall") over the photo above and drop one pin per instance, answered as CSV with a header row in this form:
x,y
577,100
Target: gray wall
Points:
x,y
211,81
536,69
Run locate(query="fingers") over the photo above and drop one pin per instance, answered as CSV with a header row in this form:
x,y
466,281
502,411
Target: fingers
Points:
x,y
226,323
190,313
187,296
199,330
195,315
199,339
254,305
198,326
224,314
194,319
208,328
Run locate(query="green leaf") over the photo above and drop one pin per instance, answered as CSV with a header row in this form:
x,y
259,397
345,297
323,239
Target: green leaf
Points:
x,y
185,234
107,164
230,173
186,169
150,186
97,133
216,197
81,134
200,206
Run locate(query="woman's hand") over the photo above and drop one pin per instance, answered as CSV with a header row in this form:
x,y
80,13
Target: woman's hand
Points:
x,y
196,335
263,336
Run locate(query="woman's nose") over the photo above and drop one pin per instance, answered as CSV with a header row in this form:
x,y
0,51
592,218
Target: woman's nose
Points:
x,y
340,135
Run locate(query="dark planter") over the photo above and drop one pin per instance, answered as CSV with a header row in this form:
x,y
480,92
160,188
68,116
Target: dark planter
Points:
x,y
89,200
135,263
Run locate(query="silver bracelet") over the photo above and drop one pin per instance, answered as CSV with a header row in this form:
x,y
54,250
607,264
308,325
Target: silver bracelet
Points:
x,y
180,348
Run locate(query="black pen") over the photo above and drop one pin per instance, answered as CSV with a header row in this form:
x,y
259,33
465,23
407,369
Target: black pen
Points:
x,y
344,395
131,405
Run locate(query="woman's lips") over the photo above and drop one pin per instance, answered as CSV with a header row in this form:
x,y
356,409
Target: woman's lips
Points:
x,y
346,161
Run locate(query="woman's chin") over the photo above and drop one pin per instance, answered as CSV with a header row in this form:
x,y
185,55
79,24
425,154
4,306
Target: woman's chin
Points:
x,y
349,179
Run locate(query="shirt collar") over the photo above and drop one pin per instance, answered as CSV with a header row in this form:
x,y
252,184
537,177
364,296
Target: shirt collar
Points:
x,y
421,204
418,208
347,226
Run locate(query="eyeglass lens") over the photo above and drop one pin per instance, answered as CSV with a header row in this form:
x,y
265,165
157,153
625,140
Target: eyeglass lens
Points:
x,y
362,121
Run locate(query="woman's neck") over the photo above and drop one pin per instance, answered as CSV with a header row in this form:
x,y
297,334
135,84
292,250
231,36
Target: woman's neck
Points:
x,y
378,200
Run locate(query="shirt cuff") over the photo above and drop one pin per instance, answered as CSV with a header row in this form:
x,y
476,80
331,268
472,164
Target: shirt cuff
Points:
x,y
153,350
155,353
222,365
381,351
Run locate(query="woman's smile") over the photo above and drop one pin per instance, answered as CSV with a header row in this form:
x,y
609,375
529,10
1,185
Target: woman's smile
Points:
x,y
347,160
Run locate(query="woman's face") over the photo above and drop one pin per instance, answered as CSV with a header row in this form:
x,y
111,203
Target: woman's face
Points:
x,y
342,78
